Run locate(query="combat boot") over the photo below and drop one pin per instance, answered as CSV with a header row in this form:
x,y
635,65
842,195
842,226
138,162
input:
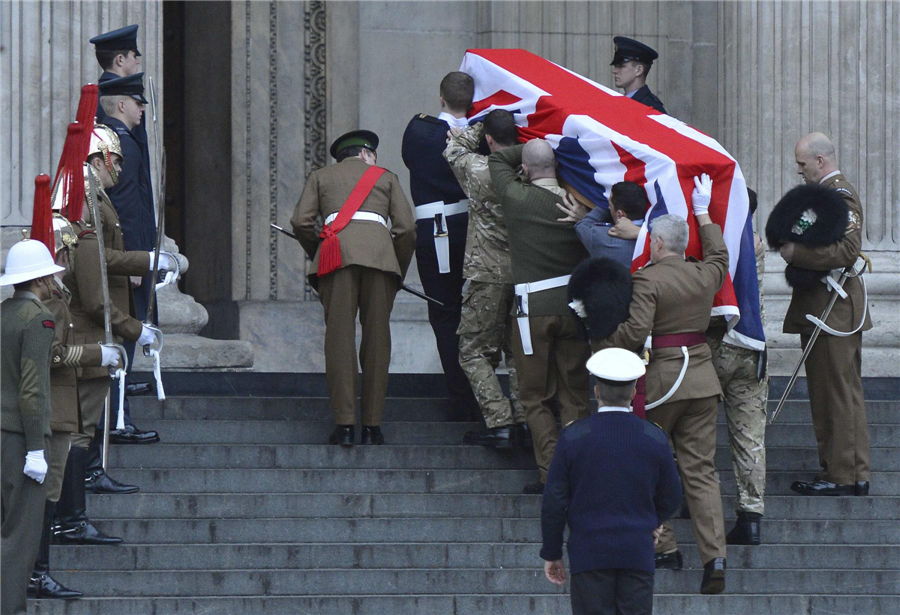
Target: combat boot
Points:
x,y
74,526
494,437
746,530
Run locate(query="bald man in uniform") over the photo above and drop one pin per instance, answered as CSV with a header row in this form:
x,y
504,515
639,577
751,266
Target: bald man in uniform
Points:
x,y
834,366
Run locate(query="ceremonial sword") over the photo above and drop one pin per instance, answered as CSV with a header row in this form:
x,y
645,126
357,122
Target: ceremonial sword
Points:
x,y
119,373
150,350
411,291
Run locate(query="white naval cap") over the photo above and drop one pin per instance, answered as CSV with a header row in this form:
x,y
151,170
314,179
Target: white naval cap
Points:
x,y
616,365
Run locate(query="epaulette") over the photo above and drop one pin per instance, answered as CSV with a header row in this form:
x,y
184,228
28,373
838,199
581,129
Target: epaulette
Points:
x,y
427,118
576,429
655,431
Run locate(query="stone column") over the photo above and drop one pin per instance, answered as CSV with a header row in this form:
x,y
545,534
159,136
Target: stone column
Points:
x,y
45,59
787,69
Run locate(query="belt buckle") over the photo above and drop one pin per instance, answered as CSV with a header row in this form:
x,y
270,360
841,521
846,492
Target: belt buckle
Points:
x,y
439,226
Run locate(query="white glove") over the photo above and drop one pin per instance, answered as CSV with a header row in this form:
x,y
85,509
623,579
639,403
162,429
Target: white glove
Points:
x,y
165,263
702,194
110,357
35,466
147,336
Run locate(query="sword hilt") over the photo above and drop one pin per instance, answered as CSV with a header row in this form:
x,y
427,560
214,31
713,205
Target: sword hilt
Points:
x,y
157,343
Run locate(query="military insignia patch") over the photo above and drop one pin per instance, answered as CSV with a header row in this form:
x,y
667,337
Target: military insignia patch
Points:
x,y
852,222
843,190
49,324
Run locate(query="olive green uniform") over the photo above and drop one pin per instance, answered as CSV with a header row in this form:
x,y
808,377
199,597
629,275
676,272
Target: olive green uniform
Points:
x,y
486,323
834,366
27,336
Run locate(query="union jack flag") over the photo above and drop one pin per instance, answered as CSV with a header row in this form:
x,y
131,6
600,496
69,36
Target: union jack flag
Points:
x,y
602,137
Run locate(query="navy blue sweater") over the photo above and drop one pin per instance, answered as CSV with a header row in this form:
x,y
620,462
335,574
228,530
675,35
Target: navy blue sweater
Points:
x,y
614,481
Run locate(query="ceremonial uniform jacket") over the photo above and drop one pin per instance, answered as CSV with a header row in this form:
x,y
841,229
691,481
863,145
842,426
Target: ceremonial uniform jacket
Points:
x,y
646,97
362,242
430,176
540,246
676,296
846,313
132,196
487,242
83,279
27,333
66,358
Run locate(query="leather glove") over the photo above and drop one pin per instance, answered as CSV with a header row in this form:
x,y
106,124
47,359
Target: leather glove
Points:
x,y
147,336
110,357
35,466
702,194
165,263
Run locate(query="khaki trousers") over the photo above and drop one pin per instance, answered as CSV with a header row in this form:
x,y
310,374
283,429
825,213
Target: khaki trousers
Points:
x,y
343,293
60,441
23,515
555,370
691,423
834,379
91,396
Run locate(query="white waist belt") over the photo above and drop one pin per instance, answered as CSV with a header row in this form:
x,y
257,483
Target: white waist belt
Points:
x,y
439,211
367,216
522,291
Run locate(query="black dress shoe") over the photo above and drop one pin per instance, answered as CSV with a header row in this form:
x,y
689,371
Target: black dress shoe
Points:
x,y
494,437
745,530
99,481
134,389
45,586
823,487
342,434
84,534
132,435
713,576
669,561
371,435
534,489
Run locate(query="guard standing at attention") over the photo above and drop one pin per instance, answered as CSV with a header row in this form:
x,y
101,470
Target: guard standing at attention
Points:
x,y
358,265
442,220
27,336
672,298
631,64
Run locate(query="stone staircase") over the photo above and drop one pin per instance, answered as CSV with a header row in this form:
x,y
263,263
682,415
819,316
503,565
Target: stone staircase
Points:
x,y
242,510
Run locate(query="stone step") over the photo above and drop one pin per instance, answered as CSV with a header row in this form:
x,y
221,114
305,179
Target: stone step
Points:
x,y
399,481
313,505
466,604
418,433
430,456
528,580
458,530
428,555
147,408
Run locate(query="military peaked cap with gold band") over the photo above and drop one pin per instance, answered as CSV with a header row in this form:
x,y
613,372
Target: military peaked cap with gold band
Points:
x,y
365,138
117,40
630,49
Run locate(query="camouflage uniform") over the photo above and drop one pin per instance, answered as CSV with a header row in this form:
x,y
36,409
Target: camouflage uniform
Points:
x,y
745,406
486,323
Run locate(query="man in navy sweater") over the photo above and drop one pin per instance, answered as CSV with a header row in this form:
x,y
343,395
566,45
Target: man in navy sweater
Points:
x,y
613,480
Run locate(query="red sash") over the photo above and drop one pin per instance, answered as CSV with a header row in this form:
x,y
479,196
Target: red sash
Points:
x,y
673,340
330,250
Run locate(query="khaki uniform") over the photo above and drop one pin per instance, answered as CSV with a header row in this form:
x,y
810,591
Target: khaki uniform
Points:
x,y
27,334
374,263
540,249
83,279
676,296
834,367
745,405
66,358
486,322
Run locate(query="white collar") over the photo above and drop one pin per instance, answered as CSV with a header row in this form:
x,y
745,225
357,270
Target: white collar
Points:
x,y
455,122
829,176
613,409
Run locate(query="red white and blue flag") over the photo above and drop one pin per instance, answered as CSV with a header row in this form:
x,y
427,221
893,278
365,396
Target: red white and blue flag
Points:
x,y
601,137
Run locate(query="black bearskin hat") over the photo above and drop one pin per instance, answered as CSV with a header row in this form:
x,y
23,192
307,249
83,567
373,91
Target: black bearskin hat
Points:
x,y
603,287
809,215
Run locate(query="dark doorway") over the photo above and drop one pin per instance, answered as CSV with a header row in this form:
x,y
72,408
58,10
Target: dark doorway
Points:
x,y
197,110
